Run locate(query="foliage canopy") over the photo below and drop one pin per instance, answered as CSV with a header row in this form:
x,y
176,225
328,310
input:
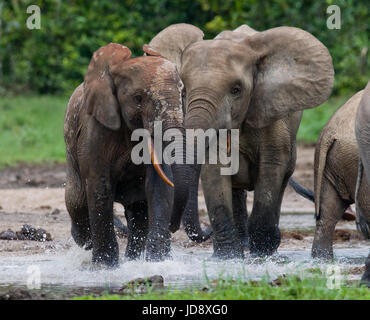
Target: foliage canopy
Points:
x,y
54,58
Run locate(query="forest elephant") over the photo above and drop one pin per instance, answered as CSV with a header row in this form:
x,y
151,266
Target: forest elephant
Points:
x,y
257,83
120,94
362,131
335,175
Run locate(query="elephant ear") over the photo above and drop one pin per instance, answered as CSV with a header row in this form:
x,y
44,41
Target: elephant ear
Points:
x,y
98,85
171,41
238,34
294,72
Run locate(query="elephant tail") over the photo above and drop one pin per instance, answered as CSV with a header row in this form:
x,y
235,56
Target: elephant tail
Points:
x,y
361,223
322,148
305,193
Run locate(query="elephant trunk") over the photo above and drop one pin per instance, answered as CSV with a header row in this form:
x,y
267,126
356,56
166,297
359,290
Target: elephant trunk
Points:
x,y
182,177
188,212
190,218
198,117
200,114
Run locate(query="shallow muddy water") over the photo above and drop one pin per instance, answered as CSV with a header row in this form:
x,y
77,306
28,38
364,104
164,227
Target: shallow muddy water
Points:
x,y
72,267
63,267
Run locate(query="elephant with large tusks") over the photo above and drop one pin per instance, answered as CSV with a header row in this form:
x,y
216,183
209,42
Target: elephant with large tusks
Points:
x,y
335,176
119,95
362,130
258,83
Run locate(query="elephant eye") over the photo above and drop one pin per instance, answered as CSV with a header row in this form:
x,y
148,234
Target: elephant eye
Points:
x,y
138,98
235,90
183,93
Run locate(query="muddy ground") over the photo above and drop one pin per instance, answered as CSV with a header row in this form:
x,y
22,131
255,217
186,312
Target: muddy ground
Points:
x,y
34,194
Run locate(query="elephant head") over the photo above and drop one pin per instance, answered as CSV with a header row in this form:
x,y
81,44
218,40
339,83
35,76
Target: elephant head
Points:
x,y
247,77
123,93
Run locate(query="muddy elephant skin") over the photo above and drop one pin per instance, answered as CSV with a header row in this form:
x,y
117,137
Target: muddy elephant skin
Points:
x,y
119,95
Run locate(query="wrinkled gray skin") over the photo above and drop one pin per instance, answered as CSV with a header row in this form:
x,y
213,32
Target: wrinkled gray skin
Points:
x,y
362,130
257,82
335,176
119,95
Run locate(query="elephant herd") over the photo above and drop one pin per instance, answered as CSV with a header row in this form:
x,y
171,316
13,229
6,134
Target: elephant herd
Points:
x,y
256,82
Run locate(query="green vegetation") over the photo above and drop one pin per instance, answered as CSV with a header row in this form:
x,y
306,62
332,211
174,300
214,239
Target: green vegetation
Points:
x,y
54,58
289,288
31,129
314,120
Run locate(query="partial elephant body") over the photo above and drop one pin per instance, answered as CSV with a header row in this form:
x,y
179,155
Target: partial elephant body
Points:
x,y
267,160
362,130
257,82
335,175
119,95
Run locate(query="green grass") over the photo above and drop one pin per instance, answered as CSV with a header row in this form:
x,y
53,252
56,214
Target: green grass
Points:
x,y
290,288
31,129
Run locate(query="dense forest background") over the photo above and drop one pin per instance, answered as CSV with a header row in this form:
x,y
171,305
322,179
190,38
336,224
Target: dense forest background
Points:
x,y
54,59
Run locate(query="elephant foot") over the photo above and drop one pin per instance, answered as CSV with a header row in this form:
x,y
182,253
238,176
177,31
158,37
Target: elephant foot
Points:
x,y
263,242
81,235
134,252
106,256
322,253
198,236
135,245
158,246
228,252
245,242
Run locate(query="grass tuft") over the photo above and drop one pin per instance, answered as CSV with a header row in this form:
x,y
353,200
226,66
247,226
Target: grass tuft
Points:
x,y
31,129
284,288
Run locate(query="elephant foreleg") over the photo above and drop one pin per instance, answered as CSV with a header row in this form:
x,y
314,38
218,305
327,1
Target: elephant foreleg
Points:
x,y
240,214
263,223
218,196
137,223
100,202
76,203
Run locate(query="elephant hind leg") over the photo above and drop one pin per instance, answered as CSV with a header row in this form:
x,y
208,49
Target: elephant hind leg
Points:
x,y
137,223
76,203
332,208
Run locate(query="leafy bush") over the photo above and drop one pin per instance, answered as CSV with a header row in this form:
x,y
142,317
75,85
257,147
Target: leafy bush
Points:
x,y
54,58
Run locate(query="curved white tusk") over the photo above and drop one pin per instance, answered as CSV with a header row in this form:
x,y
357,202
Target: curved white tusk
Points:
x,y
156,165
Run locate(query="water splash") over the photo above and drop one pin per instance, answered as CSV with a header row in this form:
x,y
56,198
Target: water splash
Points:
x,y
72,267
